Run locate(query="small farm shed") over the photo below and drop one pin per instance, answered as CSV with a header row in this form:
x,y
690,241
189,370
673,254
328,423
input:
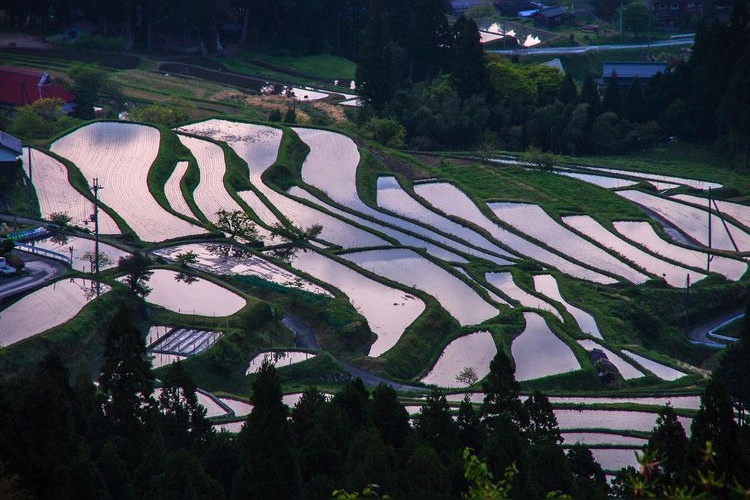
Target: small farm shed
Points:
x,y
20,87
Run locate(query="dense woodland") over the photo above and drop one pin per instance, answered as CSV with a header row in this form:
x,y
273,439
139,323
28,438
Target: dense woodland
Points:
x,y
429,85
120,440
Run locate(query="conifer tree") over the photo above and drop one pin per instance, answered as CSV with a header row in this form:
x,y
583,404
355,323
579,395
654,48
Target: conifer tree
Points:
x,y
568,91
590,95
669,446
612,101
469,73
501,392
376,71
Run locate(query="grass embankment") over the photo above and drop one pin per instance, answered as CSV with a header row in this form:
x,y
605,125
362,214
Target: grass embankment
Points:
x,y
324,67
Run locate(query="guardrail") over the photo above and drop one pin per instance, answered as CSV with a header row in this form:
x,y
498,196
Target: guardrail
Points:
x,y
44,252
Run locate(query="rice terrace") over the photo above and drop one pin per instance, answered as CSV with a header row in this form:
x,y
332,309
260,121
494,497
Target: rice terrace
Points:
x,y
613,283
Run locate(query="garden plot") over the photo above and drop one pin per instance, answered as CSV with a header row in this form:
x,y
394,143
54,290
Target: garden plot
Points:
x,y
452,201
504,282
673,274
643,234
599,438
331,166
411,269
229,259
388,311
739,212
474,351
256,144
535,222
45,308
403,238
391,196
120,155
80,246
279,359
627,370
56,195
617,420
614,459
675,181
186,342
693,221
537,352
546,285
173,191
200,297
664,372
599,180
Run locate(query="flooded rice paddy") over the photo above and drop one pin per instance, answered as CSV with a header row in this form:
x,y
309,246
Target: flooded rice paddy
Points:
x,y
675,181
504,282
598,438
57,195
622,420
548,231
599,180
388,311
279,359
120,155
474,351
217,258
538,352
673,274
693,221
627,370
201,297
739,212
411,269
173,191
83,252
45,308
452,201
547,285
645,235
664,372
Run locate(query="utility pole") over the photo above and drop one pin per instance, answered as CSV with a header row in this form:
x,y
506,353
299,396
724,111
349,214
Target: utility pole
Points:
x,y
687,302
96,187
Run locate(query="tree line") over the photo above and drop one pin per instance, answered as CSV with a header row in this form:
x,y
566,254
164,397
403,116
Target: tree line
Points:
x,y
119,439
448,94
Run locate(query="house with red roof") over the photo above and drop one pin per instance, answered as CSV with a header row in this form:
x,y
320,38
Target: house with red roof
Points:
x,y
20,87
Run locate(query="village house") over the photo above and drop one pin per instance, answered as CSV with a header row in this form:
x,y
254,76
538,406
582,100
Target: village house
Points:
x,y
21,87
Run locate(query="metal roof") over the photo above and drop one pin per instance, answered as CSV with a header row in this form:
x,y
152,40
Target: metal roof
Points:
x,y
644,70
7,141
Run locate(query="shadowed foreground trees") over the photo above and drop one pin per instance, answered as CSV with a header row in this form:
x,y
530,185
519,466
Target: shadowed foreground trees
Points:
x,y
122,440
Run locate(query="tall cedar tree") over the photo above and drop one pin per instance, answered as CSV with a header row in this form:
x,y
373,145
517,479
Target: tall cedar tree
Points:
x,y
501,391
125,378
429,41
634,102
376,70
269,466
469,74
715,422
734,112
389,416
568,91
669,445
613,97
732,369
590,95
590,479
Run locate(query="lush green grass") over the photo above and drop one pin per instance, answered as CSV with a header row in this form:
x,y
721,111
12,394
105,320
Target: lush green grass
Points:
x,y
287,171
323,66
558,195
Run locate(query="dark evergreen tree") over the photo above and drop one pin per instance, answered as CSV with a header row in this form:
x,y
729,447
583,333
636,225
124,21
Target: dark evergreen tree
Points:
x,y
370,461
734,112
715,423
501,392
389,416
353,401
305,413
568,90
470,428
136,272
376,71
590,94
669,446
612,101
469,73
269,467
428,40
183,419
125,378
590,480
425,476
542,423
634,103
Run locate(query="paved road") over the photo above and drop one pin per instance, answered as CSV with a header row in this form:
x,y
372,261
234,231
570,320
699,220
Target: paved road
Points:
x,y
698,333
304,336
38,271
592,48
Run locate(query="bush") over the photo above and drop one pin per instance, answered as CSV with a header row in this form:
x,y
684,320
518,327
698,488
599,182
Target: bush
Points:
x,y
387,131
